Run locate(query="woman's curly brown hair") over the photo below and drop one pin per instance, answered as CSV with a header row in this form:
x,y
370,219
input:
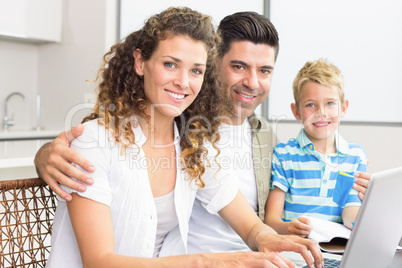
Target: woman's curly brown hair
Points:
x,y
121,89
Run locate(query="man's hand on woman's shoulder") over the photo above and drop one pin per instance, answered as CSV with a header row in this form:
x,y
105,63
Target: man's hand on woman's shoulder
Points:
x,y
53,164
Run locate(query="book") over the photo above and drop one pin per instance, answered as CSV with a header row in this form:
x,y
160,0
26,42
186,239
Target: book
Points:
x,y
331,237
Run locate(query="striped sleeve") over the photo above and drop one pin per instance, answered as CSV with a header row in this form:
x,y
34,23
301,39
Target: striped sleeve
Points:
x,y
278,178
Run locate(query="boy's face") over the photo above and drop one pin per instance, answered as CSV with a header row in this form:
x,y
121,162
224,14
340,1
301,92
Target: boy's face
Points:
x,y
247,70
320,110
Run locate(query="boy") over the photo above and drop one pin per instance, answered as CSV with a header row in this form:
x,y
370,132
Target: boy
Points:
x,y
313,174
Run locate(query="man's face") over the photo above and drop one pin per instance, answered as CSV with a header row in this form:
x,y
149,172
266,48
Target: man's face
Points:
x,y
247,70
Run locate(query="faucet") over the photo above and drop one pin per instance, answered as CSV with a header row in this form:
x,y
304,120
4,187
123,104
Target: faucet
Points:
x,y
9,121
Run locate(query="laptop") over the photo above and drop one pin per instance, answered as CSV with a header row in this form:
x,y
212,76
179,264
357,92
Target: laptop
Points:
x,y
378,227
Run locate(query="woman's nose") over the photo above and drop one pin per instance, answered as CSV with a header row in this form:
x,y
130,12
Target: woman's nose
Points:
x,y
181,80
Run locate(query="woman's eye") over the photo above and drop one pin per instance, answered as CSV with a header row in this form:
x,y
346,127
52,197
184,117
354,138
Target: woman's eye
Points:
x,y
169,64
196,71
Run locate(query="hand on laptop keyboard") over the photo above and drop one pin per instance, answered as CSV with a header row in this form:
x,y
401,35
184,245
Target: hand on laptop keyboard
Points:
x,y
329,263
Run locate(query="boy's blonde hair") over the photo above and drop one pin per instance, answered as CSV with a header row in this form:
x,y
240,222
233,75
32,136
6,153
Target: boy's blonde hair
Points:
x,y
322,72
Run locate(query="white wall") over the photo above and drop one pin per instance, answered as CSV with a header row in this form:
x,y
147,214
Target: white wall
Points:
x,y
133,16
64,68
361,37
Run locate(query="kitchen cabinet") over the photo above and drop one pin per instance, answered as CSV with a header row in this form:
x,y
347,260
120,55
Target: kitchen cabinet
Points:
x,y
31,20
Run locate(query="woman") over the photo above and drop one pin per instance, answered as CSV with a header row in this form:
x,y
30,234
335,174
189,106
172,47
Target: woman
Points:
x,y
145,127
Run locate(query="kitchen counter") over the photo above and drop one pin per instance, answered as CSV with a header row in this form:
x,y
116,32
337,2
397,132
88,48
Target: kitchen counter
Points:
x,y
17,168
28,135
16,158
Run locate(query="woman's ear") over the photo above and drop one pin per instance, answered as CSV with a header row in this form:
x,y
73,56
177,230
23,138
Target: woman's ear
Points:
x,y
295,111
138,62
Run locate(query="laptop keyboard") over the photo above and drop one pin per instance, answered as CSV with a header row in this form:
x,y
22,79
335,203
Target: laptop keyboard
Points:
x,y
329,263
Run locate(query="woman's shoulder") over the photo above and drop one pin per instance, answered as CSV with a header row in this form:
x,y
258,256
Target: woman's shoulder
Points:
x,y
92,124
93,132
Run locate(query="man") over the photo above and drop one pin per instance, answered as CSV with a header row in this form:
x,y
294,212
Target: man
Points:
x,y
247,58
247,55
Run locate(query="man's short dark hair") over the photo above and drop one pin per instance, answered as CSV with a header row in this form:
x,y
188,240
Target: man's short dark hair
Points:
x,y
247,26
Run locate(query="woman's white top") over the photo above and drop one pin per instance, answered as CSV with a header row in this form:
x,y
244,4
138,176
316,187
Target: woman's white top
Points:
x,y
121,182
167,219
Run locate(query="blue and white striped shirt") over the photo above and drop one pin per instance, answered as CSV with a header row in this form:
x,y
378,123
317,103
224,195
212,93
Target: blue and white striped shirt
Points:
x,y
315,186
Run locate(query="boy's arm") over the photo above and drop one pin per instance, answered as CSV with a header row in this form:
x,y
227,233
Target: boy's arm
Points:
x,y
353,201
349,215
276,202
274,211
53,160
273,216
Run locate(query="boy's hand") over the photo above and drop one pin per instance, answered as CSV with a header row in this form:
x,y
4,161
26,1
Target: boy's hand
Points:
x,y
300,227
53,160
361,183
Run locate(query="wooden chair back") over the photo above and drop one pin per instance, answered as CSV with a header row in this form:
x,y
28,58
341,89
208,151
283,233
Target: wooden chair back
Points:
x,y
27,209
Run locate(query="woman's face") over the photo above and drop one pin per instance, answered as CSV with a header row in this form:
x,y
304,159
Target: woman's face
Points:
x,y
173,75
